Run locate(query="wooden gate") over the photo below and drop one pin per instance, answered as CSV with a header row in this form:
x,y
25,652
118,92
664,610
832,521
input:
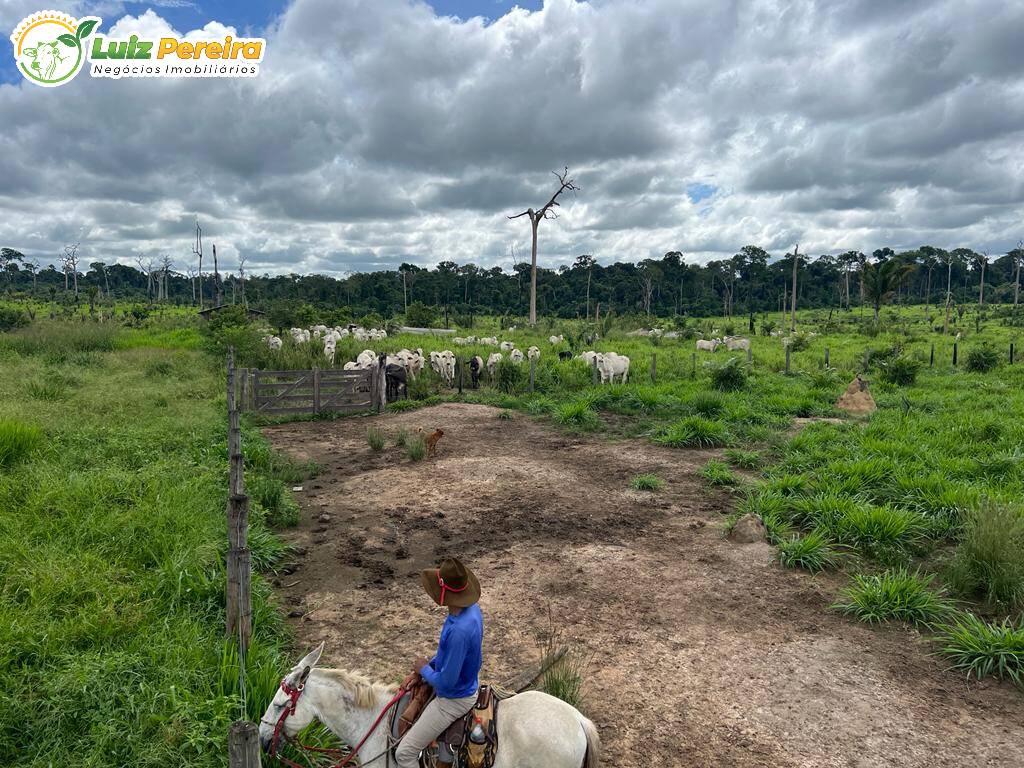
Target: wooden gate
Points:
x,y
314,391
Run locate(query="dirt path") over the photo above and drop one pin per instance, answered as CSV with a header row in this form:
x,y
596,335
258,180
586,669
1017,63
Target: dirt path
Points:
x,y
706,652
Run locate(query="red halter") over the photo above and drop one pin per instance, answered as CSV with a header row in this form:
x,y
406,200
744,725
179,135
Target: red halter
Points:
x,y
446,588
289,710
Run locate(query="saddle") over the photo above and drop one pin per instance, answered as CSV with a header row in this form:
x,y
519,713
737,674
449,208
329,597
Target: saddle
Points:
x,y
472,739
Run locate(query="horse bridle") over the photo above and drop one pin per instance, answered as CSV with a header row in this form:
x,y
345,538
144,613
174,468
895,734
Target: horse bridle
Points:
x,y
289,709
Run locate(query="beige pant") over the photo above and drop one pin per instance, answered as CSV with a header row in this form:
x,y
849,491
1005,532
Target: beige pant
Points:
x,y
436,717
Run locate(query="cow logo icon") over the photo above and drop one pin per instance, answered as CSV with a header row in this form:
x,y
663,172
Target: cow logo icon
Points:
x,y
49,46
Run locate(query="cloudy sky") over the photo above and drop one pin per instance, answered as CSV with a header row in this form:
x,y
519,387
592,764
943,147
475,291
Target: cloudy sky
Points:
x,y
382,131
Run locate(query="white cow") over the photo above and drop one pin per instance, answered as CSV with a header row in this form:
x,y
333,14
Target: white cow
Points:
x,y
611,365
736,343
489,340
516,356
556,339
492,363
588,357
299,335
329,350
507,346
366,359
273,342
533,353
708,345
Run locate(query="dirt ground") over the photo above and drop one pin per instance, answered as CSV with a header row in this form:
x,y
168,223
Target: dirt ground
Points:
x,y
705,652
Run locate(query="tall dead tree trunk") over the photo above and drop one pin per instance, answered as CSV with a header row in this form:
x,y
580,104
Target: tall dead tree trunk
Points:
x,y
1016,276
197,250
547,212
216,280
796,262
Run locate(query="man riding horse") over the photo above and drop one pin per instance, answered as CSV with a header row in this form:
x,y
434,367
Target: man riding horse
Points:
x,y
453,672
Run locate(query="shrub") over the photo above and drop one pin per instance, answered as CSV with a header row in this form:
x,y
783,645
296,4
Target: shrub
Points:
x,y
717,472
812,552
647,482
375,438
419,315
401,437
883,533
982,359
11,318
896,594
272,495
728,376
694,432
743,459
989,560
981,649
416,448
17,441
509,376
798,342
901,371
505,415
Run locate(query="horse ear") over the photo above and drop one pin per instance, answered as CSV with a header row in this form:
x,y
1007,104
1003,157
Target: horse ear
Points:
x,y
310,660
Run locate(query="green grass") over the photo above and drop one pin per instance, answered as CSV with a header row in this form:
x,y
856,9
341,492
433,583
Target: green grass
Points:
x,y
401,437
416,448
982,649
647,482
111,543
17,441
577,414
694,432
505,415
717,472
895,595
812,552
376,439
743,459
989,560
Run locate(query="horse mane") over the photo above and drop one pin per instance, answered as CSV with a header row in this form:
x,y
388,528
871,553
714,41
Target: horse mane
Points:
x,y
365,692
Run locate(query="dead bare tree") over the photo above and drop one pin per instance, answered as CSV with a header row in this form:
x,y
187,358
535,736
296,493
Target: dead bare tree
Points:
x,y
216,280
70,262
197,250
165,271
796,262
982,260
646,289
147,268
1016,276
546,212
190,273
241,278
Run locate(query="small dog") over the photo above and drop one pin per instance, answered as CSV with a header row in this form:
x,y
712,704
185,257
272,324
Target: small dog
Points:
x,y
432,439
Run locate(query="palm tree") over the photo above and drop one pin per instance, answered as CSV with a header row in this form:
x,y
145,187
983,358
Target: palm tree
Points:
x,y
882,279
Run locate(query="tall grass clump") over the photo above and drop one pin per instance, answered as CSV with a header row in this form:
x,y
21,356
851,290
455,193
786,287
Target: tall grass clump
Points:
x,y
17,441
982,358
416,448
989,559
577,414
983,649
401,437
897,594
728,376
812,552
742,458
375,439
717,472
901,371
647,482
694,432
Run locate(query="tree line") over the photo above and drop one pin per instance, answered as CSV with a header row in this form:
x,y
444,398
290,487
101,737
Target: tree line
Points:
x,y
751,281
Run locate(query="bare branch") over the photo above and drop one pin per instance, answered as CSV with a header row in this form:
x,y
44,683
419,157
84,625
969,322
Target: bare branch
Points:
x,y
527,212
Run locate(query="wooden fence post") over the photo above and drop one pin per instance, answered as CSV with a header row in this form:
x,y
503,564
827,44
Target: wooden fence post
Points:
x,y
955,350
594,375
458,366
826,357
1011,353
931,357
533,373
238,622
654,367
787,359
693,365
750,356
243,745
316,389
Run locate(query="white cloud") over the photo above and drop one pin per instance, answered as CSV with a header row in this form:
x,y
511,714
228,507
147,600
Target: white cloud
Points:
x,y
378,132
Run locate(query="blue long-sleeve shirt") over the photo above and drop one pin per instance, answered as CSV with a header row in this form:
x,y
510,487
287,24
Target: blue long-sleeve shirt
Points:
x,y
454,670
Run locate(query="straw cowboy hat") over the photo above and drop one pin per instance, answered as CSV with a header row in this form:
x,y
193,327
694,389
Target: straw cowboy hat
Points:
x,y
452,584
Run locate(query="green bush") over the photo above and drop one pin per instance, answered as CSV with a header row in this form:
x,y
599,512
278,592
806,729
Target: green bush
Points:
x,y
17,441
510,377
901,371
883,533
419,315
812,552
896,594
728,376
982,649
401,437
11,318
647,482
798,342
578,414
694,432
710,405
989,559
743,459
982,359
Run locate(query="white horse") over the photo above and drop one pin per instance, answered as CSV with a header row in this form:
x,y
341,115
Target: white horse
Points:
x,y
535,730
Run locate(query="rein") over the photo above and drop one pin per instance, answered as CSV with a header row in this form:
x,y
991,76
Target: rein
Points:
x,y
335,752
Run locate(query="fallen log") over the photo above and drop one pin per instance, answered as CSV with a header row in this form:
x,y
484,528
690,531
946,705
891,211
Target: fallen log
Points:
x,y
528,677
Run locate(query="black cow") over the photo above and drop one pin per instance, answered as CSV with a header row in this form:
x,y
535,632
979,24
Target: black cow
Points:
x,y
475,364
565,355
397,384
